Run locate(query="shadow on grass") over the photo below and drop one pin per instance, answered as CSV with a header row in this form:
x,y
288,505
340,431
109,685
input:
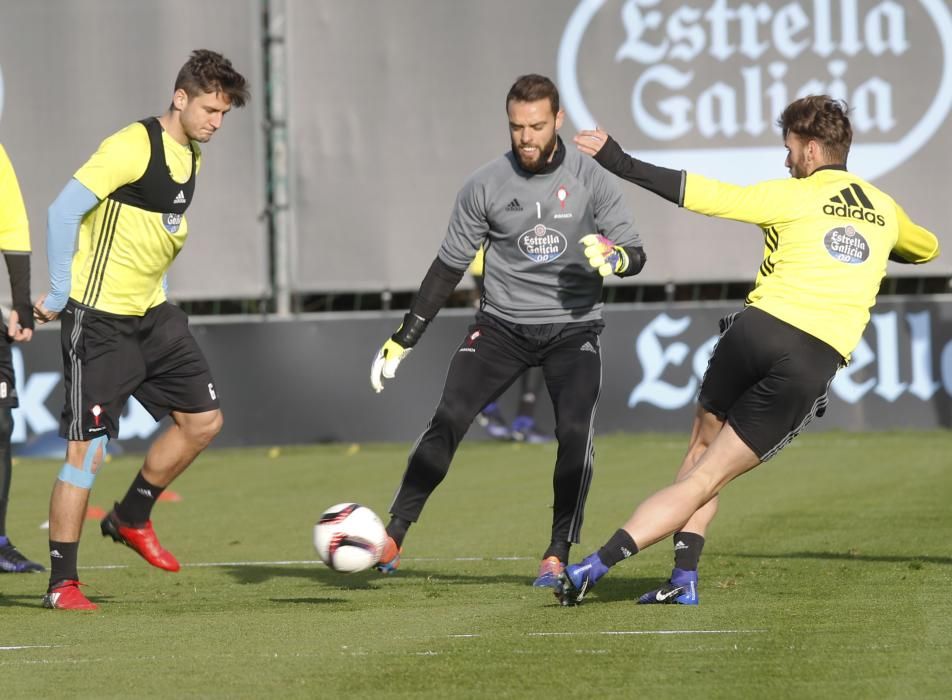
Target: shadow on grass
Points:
x,y
847,556
363,579
609,589
36,600
621,590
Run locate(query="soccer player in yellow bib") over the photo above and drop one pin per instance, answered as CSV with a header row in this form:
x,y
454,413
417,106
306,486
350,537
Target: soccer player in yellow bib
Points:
x,y
15,244
112,233
828,235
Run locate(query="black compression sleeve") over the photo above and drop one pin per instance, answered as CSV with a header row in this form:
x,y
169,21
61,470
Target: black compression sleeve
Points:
x,y
662,181
636,260
437,285
18,265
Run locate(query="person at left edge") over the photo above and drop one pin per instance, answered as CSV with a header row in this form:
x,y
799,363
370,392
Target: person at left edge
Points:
x,y
120,337
15,244
546,217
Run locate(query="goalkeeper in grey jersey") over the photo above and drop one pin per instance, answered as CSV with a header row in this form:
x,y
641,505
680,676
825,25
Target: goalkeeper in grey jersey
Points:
x,y
552,224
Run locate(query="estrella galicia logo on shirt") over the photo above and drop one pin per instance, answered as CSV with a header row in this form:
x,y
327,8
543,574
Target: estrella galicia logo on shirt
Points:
x,y
542,244
846,244
172,222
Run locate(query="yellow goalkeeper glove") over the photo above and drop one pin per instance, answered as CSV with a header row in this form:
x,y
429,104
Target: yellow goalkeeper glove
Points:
x,y
395,349
604,255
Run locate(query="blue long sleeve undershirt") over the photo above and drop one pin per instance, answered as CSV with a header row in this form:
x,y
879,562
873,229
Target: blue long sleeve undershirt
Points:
x,y
62,228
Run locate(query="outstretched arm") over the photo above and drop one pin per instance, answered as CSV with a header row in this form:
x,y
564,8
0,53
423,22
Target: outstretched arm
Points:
x,y
610,155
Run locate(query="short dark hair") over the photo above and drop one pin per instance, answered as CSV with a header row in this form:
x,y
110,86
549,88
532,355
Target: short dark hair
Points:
x,y
532,87
208,71
823,119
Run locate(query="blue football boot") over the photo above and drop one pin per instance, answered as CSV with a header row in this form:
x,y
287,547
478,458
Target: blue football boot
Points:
x,y
578,579
11,561
680,589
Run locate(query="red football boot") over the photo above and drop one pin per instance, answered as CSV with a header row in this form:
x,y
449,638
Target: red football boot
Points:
x,y
67,596
141,539
390,557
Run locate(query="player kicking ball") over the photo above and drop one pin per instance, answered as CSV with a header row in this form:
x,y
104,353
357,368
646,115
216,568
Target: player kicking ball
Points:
x,y
828,235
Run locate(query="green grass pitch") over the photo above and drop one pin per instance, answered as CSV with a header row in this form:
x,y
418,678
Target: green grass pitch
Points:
x,y
827,574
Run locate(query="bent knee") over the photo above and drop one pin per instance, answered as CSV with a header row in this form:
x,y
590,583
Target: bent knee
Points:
x,y
202,428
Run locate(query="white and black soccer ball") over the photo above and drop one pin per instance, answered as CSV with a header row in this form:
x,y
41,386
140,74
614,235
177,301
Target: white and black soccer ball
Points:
x,y
349,537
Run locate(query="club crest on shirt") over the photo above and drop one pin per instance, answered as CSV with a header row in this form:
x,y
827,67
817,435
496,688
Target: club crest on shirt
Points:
x,y
172,222
542,244
846,244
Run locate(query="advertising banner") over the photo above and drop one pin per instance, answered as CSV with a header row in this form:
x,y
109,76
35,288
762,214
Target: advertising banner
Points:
x,y
307,380
382,147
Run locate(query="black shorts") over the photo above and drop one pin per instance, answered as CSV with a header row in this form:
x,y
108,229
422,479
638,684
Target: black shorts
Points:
x,y
108,358
768,379
8,382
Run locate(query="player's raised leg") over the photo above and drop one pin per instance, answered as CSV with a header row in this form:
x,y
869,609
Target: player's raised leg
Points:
x,y
130,522
663,513
482,368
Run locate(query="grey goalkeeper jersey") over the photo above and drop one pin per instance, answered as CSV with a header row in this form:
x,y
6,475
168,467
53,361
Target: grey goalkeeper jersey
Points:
x,y
535,269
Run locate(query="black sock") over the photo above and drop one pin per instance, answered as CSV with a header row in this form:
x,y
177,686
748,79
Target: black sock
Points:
x,y
687,550
397,529
136,508
619,547
63,557
558,549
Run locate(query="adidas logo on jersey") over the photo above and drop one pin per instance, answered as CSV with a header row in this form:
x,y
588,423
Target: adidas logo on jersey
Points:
x,y
588,347
179,198
514,205
852,203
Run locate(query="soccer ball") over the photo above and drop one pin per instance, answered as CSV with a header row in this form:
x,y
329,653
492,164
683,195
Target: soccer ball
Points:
x,y
349,537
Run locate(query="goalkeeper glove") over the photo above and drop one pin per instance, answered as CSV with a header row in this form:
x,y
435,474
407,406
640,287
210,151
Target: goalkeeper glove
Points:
x,y
395,349
604,255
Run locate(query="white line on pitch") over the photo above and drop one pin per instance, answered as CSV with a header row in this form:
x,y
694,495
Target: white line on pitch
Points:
x,y
30,646
638,632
